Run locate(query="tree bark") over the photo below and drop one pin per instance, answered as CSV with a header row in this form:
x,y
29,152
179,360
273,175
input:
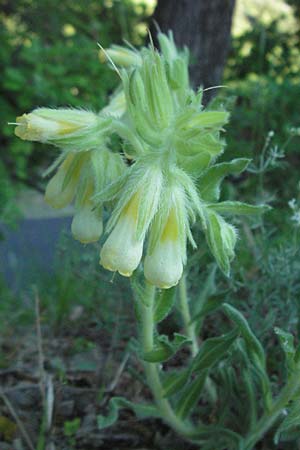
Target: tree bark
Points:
x,y
204,27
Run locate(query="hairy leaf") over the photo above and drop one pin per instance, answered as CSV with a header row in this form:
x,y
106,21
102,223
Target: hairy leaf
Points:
x,y
164,349
190,395
164,303
252,343
211,305
287,344
290,425
175,381
209,183
209,119
229,207
212,351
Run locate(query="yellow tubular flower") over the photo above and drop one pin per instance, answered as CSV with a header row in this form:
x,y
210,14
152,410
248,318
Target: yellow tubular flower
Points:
x,y
130,221
74,130
163,267
60,191
122,251
87,225
45,124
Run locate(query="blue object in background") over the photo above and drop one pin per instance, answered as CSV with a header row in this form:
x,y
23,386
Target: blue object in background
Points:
x,y
29,250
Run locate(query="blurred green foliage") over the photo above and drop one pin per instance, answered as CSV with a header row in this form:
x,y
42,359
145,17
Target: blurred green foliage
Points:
x,y
269,49
263,105
263,75
49,56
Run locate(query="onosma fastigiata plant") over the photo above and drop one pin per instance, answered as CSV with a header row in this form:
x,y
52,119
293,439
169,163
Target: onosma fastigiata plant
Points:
x,y
162,181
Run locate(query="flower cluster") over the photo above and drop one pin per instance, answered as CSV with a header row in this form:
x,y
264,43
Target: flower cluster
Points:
x,y
85,164
172,179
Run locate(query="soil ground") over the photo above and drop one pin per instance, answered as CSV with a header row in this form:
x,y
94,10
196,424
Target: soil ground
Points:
x,y
76,384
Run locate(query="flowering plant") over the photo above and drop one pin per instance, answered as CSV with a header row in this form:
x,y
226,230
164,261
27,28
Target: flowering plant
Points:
x,y
164,181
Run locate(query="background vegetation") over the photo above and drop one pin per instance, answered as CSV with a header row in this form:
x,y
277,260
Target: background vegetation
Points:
x,y
49,56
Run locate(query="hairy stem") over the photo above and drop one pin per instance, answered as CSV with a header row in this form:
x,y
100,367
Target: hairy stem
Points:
x,y
185,311
190,329
270,417
152,370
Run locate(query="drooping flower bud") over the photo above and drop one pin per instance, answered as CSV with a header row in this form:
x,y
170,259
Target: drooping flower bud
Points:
x,y
79,175
72,129
87,225
166,255
163,267
122,250
131,218
61,189
221,238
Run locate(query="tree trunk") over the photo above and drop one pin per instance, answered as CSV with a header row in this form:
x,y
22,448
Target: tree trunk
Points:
x,y
204,27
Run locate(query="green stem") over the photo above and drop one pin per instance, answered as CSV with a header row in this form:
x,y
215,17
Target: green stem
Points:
x,y
268,419
184,306
152,371
190,329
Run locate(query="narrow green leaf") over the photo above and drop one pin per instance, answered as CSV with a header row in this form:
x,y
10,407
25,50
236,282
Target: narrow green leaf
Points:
x,y
287,344
164,303
252,343
175,381
195,163
251,397
258,371
290,425
190,396
206,291
229,207
211,305
209,183
206,143
261,375
218,437
212,351
160,353
164,349
142,411
211,119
